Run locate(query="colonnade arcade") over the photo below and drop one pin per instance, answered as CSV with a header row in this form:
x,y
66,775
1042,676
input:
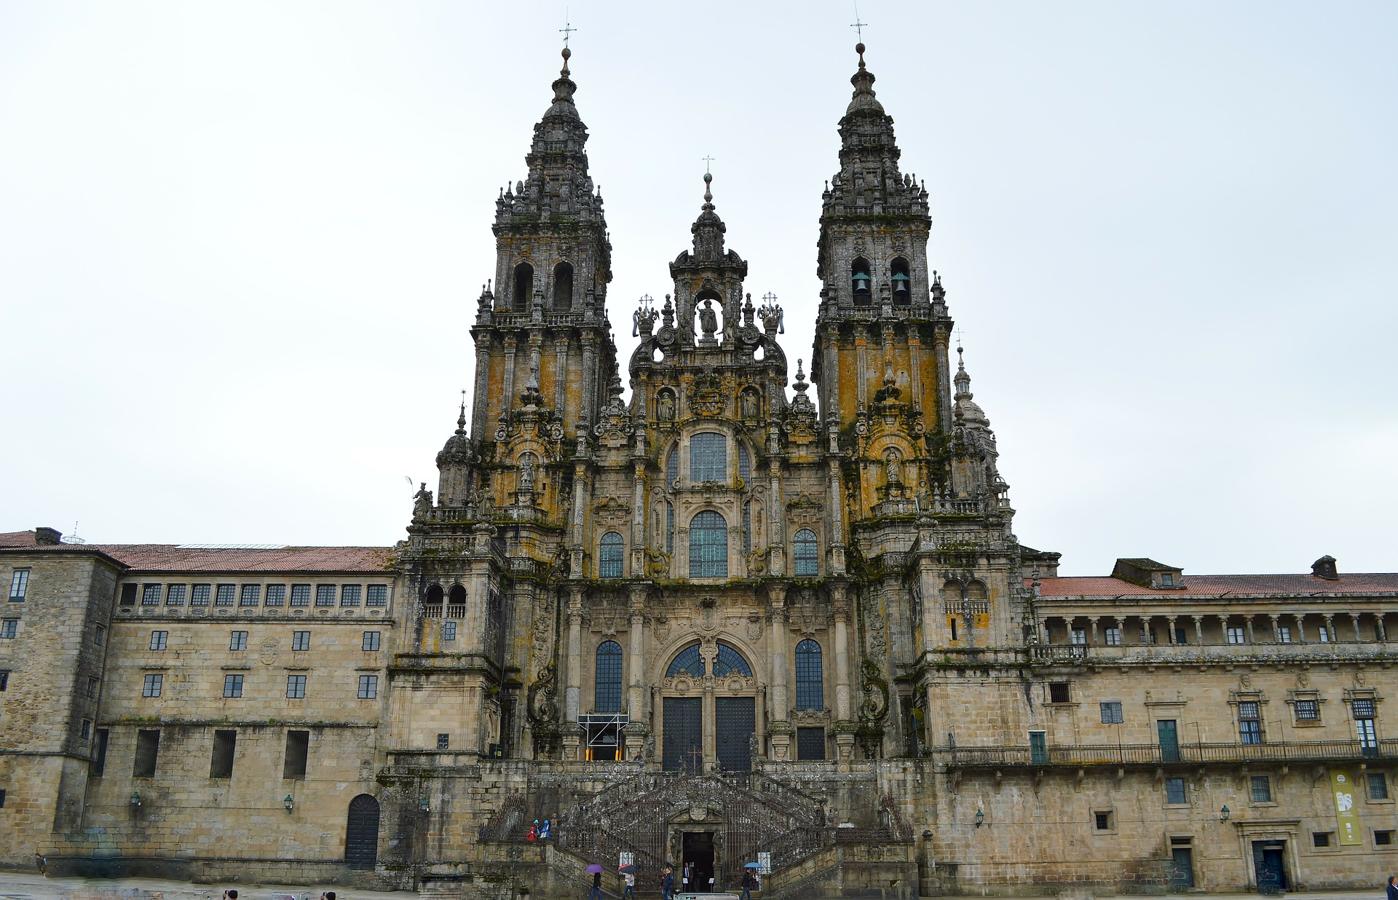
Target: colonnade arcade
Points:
x,y
1205,628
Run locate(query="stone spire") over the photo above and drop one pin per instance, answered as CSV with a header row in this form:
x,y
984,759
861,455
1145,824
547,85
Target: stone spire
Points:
x,y
966,411
708,229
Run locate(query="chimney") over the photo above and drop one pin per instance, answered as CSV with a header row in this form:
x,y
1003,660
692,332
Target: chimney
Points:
x,y
47,536
1325,568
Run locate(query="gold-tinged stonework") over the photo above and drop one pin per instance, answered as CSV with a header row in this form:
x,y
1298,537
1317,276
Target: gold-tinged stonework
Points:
x,y
742,612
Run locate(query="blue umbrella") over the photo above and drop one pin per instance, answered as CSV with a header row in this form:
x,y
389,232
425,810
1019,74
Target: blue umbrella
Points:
x,y
751,866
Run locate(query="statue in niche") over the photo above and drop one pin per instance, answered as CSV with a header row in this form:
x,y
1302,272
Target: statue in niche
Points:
x,y
665,407
893,468
526,472
708,319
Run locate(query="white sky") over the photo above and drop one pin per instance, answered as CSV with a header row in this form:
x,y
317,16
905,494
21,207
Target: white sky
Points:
x,y
240,245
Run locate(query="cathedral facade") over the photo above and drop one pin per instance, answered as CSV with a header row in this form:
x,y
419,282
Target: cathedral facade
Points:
x,y
751,615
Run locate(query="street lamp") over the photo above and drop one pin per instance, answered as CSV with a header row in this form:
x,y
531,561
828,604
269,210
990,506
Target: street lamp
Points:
x,y
1224,813
980,817
289,802
136,799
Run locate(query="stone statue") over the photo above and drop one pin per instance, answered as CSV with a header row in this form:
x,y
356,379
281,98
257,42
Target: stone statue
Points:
x,y
893,468
747,403
526,472
422,501
665,407
708,320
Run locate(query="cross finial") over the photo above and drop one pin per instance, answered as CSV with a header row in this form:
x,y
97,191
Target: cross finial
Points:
x,y
707,160
769,297
567,29
958,337
858,25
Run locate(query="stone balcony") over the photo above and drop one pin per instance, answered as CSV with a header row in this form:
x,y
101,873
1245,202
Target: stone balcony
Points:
x,y
1154,756
1152,655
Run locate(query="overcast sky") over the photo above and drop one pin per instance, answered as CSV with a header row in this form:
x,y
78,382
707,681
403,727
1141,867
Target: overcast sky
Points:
x,y
240,246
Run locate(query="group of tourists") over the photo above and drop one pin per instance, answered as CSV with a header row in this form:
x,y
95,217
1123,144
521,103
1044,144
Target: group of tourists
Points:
x,y
538,832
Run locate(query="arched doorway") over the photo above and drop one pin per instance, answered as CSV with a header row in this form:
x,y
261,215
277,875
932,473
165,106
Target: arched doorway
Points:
x,y
708,722
362,833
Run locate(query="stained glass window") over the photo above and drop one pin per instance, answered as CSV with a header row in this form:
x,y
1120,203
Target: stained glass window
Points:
x,y
708,457
607,685
609,560
810,676
708,546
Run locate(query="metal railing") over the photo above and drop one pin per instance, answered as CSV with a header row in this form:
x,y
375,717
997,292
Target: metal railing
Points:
x,y
1083,755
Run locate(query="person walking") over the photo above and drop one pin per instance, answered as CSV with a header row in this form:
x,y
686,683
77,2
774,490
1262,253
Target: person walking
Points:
x,y
749,885
596,891
1393,887
630,889
667,883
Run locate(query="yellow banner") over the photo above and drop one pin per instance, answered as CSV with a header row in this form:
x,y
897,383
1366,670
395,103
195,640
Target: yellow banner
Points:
x,y
1346,814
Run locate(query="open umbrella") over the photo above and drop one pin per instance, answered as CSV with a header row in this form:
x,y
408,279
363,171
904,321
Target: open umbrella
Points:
x,y
627,869
751,866
594,869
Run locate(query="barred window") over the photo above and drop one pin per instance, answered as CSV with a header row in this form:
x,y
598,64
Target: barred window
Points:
x,y
806,553
368,687
607,680
300,640
300,595
1378,786
150,595
1249,722
251,595
449,630
376,595
708,545
1363,707
687,662
1307,710
609,559
1261,786
199,595
349,595
152,685
224,595
810,676
325,595
233,686
296,687
708,457
276,595
174,595
730,661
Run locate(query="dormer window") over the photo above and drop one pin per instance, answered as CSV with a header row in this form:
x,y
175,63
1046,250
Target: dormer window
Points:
x,y
902,282
860,281
1167,580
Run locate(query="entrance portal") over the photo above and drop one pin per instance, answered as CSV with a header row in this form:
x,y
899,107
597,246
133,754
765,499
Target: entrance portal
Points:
x,y
1268,858
684,735
698,862
736,721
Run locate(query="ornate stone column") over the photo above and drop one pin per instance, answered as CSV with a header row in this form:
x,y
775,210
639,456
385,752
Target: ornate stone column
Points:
x,y
636,727
589,374
1354,617
1330,628
1379,631
560,372
1247,623
1198,629
1170,630
1276,633
1095,639
779,725
844,724
507,402
939,348
1300,627
572,696
480,400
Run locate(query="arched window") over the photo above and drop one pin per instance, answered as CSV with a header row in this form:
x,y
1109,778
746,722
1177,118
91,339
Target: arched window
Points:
x,y
807,553
672,466
902,281
433,597
606,693
708,457
810,678
687,662
730,661
747,527
860,281
524,286
563,286
456,597
744,462
669,527
609,559
708,546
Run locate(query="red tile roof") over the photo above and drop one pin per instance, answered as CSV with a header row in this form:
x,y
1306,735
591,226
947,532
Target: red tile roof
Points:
x,y
16,539
1214,585
176,558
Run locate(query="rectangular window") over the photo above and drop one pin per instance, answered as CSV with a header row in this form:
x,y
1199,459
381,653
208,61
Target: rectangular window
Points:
x,y
276,595
376,595
147,751
91,688
150,595
1111,712
99,755
349,595
300,640
296,687
1283,634
233,686
1249,722
224,595
1324,634
1181,636
174,594
810,743
225,743
85,730
158,639
368,687
300,595
1378,786
1237,634
128,595
1383,838
2,799
1363,707
4,679
1321,838
1112,635
708,457
19,585
199,595
251,595
1058,692
9,628
238,640
1167,580
152,685
1102,820
1308,710
99,635
449,630
1261,788
443,740
1175,792
1078,636
370,641
325,595
298,745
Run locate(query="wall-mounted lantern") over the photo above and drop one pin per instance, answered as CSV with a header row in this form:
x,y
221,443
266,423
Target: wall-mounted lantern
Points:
x,y
1224,813
289,802
136,799
980,817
